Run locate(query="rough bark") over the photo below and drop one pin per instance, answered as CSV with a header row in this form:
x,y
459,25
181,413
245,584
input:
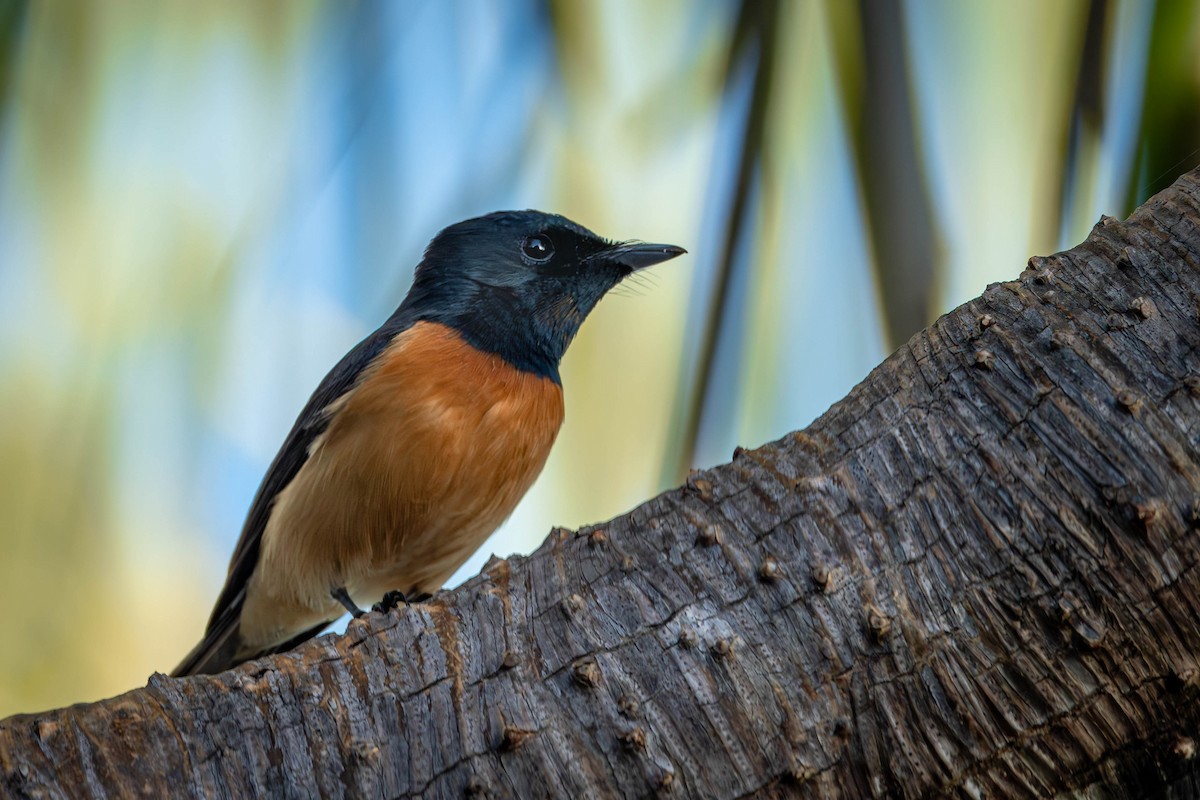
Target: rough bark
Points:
x,y
975,575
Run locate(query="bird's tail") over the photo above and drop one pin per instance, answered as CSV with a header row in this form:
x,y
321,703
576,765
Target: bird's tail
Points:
x,y
222,648
219,650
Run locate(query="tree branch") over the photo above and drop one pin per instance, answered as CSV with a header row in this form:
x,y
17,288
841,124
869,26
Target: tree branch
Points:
x,y
975,574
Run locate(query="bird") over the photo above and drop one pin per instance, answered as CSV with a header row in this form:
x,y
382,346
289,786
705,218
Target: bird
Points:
x,y
422,438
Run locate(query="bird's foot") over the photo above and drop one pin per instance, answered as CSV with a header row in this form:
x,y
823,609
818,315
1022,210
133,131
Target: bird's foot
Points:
x,y
342,596
393,599
396,598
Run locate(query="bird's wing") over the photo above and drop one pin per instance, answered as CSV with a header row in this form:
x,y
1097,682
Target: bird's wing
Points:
x,y
220,643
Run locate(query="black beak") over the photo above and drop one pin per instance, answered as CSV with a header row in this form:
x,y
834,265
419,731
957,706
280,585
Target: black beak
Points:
x,y
639,256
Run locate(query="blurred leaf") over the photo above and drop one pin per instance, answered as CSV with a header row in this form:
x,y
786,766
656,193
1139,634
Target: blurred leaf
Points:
x,y
877,100
752,46
1170,134
1081,148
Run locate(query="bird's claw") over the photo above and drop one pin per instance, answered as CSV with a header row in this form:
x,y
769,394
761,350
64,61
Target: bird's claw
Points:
x,y
393,599
396,598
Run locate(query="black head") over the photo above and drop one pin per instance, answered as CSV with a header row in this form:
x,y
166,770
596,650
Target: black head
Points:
x,y
520,283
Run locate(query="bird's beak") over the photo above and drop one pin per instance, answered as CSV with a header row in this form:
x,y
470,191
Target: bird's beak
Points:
x,y
639,256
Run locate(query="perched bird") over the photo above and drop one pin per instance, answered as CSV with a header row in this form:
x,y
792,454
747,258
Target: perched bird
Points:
x,y
422,439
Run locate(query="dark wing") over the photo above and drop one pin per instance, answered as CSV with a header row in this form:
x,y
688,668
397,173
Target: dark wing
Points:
x,y
217,650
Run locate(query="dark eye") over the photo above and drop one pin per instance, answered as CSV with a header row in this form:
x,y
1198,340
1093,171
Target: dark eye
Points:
x,y
538,247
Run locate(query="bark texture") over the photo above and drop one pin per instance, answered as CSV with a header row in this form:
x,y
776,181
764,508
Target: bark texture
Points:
x,y
975,575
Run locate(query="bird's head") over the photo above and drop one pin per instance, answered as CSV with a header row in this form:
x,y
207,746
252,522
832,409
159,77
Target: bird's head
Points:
x,y
520,283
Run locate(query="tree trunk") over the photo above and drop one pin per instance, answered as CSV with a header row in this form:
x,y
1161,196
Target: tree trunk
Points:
x,y
976,575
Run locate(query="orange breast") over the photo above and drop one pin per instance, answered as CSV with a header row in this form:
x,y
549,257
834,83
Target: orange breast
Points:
x,y
421,461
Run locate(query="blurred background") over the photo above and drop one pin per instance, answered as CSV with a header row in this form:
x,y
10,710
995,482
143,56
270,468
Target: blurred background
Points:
x,y
204,205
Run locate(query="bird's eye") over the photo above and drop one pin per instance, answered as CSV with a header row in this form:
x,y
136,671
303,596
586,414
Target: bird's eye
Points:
x,y
538,248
